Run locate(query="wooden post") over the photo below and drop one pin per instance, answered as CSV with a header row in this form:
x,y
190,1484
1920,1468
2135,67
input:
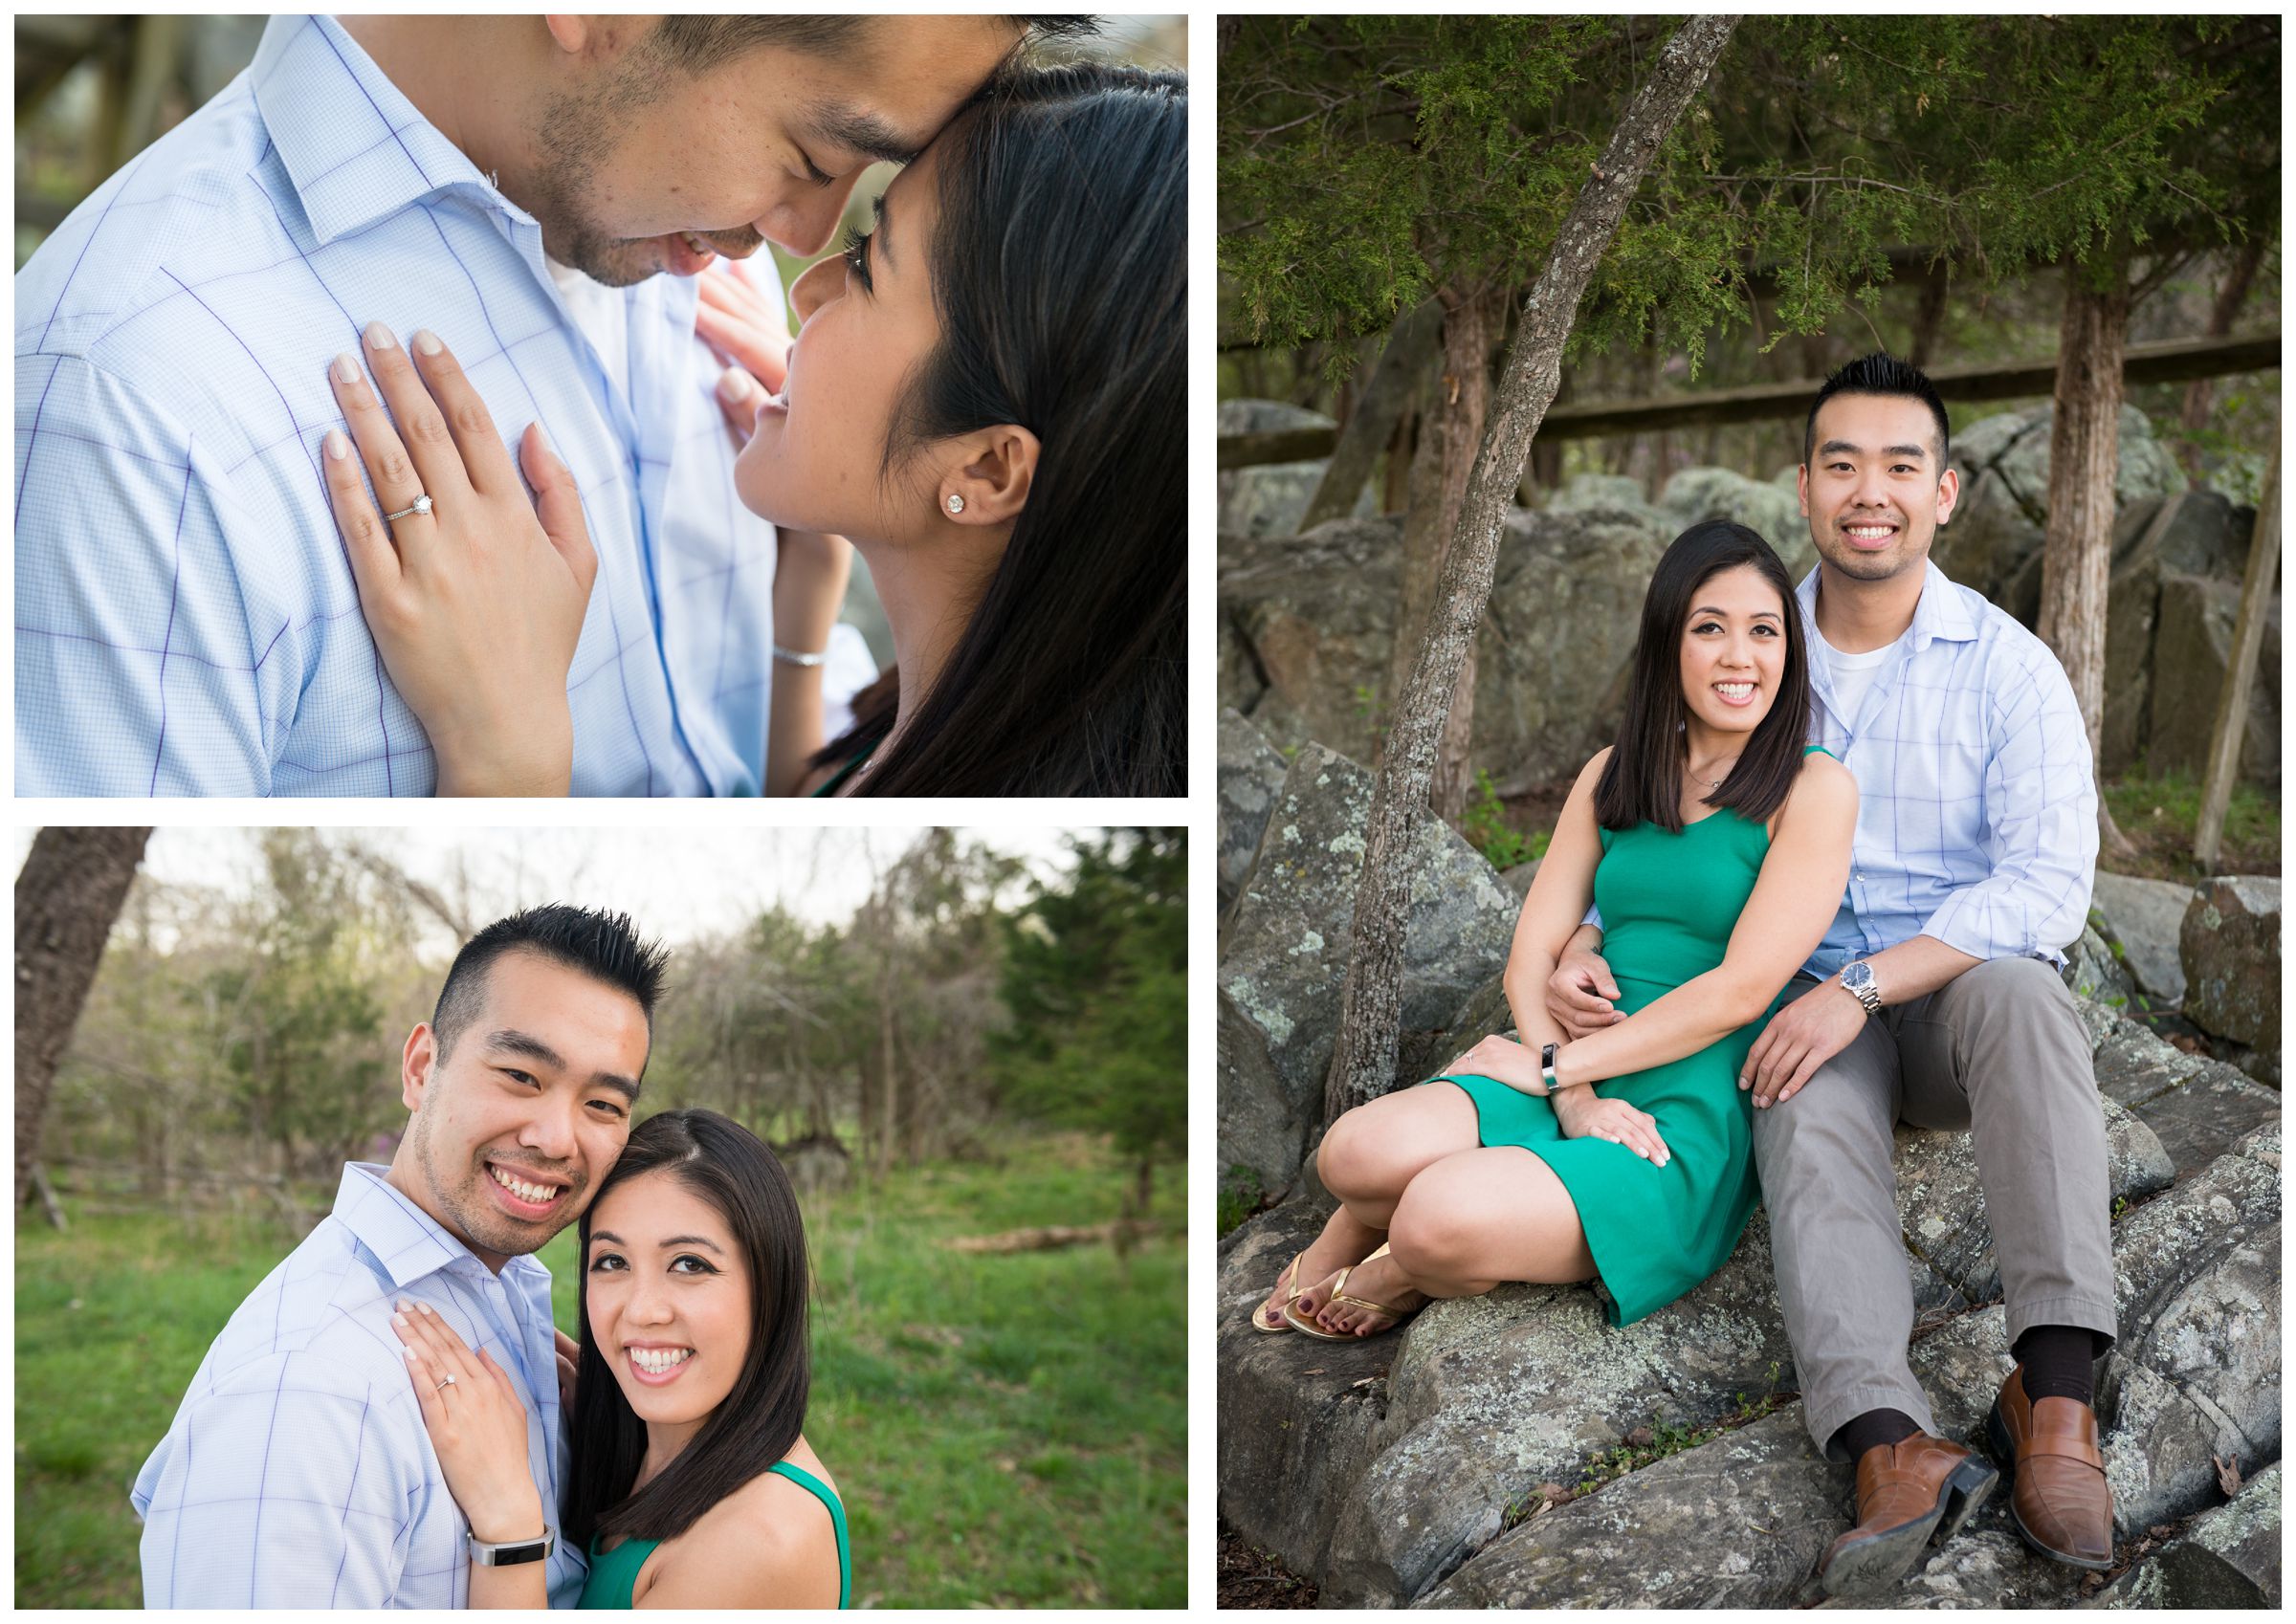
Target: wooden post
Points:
x,y
2239,671
1386,396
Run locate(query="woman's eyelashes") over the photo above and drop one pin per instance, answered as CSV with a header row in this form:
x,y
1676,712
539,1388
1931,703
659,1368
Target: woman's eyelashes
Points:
x,y
857,256
598,1264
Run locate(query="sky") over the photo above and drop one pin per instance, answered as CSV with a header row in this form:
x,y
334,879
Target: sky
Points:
x,y
677,883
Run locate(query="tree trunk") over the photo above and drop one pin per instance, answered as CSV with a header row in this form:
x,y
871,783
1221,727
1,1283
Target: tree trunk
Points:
x,y
2239,669
1363,1060
2085,456
1928,317
1370,422
68,894
1473,317
2201,393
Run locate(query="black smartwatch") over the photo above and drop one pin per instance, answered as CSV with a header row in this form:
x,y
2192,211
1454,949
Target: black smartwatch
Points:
x,y
1546,1067
512,1552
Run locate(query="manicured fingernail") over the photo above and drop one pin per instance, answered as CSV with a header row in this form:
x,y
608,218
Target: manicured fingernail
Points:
x,y
378,337
346,368
398,1319
401,1304
733,384
339,446
424,1309
407,1351
427,341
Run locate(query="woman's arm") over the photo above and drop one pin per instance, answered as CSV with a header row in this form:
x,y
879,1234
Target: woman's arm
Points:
x,y
808,589
1796,896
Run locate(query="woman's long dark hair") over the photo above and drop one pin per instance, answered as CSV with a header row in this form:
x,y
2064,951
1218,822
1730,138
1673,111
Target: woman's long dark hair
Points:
x,y
1642,782
1060,277
726,1165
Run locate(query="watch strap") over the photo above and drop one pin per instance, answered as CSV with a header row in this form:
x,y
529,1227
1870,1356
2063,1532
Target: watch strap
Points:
x,y
1546,1067
510,1553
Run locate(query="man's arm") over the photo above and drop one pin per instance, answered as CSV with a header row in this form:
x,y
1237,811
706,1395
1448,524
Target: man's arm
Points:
x,y
135,670
288,1485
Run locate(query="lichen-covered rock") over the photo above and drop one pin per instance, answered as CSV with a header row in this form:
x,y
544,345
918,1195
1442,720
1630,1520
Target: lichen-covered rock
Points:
x,y
2146,917
2225,1558
1289,933
1697,494
2196,1373
2132,1064
2206,1111
1584,493
1269,500
2230,946
1250,775
2092,970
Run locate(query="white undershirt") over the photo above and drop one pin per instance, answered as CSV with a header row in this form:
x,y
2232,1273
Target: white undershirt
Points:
x,y
603,317
1854,674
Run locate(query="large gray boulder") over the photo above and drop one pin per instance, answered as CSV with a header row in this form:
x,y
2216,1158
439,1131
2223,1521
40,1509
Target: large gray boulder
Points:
x,y
2192,654
1284,955
2225,1558
1269,500
1250,774
1697,494
2092,970
1584,493
2146,917
1315,620
2230,947
2198,1108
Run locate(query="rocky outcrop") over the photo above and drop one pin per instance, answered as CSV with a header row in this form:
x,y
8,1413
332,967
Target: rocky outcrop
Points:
x,y
1772,512
2092,970
1285,951
2230,948
2146,917
2225,1558
1250,774
2191,657
1312,620
2197,1108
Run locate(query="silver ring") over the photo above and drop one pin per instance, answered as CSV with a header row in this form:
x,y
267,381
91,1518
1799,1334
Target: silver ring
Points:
x,y
449,1382
422,505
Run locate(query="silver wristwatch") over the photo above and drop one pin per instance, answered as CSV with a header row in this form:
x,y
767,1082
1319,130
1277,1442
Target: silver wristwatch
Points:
x,y
1857,979
512,1552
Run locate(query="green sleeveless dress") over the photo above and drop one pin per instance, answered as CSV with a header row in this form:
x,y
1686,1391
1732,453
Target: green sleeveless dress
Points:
x,y
614,1573
1669,903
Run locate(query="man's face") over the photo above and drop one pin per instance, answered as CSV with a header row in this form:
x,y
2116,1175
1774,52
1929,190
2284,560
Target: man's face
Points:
x,y
526,1114
766,145
1872,489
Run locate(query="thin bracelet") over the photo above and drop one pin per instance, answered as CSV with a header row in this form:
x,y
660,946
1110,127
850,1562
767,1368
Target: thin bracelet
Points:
x,y
794,658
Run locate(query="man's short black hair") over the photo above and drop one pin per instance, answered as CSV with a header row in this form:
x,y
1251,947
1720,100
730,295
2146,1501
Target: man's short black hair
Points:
x,y
1880,374
698,44
606,947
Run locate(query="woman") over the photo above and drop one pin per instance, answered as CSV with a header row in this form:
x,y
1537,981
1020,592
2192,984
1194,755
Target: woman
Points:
x,y
690,1484
1716,846
985,395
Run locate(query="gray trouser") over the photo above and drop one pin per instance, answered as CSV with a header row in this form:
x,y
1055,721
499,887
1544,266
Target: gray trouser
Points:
x,y
1999,1051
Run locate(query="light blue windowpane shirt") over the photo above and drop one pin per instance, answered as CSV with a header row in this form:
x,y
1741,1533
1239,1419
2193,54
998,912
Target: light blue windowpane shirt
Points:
x,y
186,619
1976,808
297,1472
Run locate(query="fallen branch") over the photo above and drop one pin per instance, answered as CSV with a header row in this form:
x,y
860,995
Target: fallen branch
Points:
x,y
1051,1237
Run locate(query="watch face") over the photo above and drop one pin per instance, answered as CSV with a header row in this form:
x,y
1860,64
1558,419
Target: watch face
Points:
x,y
1858,975
511,1556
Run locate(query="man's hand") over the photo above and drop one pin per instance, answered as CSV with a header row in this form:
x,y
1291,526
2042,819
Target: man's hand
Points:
x,y
1800,1039
1580,994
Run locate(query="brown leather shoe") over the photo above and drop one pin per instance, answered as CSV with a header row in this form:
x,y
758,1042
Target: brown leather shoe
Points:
x,y
1910,1493
2060,1503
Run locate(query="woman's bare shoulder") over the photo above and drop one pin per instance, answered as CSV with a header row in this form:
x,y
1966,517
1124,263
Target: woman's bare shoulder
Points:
x,y
769,1543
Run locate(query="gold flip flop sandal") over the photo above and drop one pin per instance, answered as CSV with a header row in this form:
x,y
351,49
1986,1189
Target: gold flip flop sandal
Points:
x,y
1308,1327
1284,1314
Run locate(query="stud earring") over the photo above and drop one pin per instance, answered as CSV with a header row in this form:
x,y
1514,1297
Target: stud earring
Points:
x,y
956,503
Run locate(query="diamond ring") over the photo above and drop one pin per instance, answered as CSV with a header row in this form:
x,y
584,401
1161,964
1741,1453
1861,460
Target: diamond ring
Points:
x,y
422,505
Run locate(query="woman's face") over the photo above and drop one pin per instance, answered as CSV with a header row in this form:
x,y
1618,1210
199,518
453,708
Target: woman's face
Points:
x,y
669,1298
1733,650
867,321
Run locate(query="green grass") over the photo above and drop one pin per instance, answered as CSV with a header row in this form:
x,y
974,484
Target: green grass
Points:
x,y
1008,1430
2159,815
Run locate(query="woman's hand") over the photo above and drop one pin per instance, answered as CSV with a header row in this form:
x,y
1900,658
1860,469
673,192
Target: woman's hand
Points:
x,y
1581,1113
750,333
477,603
1503,1060
476,1424
569,1360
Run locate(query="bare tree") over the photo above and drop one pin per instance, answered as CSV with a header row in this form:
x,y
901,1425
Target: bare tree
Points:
x,y
68,894
1363,1060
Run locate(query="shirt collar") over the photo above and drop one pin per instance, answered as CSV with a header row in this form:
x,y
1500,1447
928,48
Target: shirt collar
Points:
x,y
408,1242
1939,613
325,106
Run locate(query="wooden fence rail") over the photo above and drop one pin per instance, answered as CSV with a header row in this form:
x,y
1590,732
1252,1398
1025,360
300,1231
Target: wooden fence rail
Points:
x,y
2176,361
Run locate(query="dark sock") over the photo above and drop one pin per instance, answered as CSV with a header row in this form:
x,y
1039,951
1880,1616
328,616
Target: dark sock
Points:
x,y
2060,1362
1875,1429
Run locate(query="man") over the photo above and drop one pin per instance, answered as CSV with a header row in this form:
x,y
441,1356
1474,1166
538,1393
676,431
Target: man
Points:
x,y
297,1472
187,621
1934,999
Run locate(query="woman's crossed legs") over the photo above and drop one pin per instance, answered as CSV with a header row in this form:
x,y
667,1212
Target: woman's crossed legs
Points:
x,y
1458,1218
